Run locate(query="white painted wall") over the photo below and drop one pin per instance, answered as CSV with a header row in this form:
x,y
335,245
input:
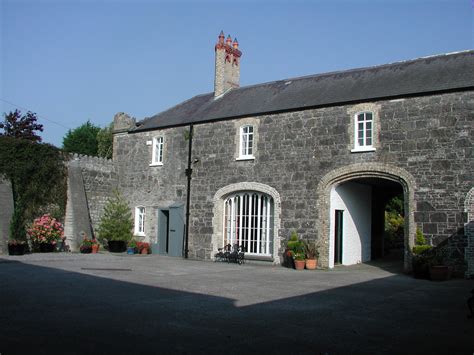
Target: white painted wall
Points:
x,y
356,201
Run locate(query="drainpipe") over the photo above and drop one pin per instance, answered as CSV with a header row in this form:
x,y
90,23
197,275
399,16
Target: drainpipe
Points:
x,y
189,172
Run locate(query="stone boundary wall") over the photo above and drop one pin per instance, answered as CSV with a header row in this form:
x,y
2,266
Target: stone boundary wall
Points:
x,y
99,178
6,211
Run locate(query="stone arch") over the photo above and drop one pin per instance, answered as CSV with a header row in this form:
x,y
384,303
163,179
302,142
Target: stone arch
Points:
x,y
365,170
469,232
218,211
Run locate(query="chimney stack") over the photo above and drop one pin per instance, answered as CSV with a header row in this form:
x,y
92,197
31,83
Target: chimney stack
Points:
x,y
227,75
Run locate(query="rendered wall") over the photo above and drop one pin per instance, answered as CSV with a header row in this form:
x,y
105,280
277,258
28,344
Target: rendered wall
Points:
x,y
355,200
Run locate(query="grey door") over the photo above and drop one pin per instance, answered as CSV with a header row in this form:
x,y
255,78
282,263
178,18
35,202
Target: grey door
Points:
x,y
170,231
176,231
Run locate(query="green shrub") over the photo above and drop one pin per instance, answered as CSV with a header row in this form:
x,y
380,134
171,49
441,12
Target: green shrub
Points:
x,y
116,222
296,247
311,249
420,249
420,238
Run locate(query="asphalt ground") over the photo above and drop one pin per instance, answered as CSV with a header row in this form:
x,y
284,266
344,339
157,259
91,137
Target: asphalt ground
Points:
x,y
118,304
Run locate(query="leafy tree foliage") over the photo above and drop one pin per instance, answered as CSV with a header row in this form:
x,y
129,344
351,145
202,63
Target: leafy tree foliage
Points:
x,y
105,142
395,221
116,222
82,140
18,126
395,205
38,177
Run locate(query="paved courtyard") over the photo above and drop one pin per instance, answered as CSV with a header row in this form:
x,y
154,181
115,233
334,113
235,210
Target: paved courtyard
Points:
x,y
117,304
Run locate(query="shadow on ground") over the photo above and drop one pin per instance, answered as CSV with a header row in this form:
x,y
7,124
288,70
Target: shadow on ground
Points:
x,y
50,311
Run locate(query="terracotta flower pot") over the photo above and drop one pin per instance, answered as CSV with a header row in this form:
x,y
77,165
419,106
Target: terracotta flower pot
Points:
x,y
95,248
299,264
311,264
144,251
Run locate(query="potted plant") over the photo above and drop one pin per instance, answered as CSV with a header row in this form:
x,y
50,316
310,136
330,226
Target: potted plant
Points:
x,y
95,246
421,256
44,232
312,253
17,247
296,251
132,247
143,247
116,224
86,246
300,258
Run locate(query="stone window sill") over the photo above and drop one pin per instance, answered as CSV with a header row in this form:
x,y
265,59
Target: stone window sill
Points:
x,y
156,164
363,149
249,157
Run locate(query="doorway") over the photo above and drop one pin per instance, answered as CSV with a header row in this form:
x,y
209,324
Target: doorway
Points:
x,y
359,219
170,239
338,232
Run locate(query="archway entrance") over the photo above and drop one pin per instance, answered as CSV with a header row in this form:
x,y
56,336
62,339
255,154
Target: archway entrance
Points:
x,y
362,221
352,204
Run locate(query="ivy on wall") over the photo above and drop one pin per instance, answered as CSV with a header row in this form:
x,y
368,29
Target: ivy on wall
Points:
x,y
37,173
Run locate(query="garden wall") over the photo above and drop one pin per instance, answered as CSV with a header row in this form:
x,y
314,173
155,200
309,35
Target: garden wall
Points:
x,y
6,210
90,183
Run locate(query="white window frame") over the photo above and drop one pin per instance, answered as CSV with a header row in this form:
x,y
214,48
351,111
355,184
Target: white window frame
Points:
x,y
246,142
158,146
140,213
364,147
248,222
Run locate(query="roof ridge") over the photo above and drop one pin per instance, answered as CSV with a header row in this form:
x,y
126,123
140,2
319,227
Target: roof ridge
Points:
x,y
353,70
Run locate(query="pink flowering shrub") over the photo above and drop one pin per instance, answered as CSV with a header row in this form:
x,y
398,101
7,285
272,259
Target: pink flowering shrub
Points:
x,y
45,229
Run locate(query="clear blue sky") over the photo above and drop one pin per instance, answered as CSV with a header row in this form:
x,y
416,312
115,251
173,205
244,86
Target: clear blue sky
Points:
x,y
78,60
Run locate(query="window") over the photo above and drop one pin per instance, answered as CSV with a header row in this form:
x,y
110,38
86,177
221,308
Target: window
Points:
x,y
248,220
363,132
157,153
246,142
140,221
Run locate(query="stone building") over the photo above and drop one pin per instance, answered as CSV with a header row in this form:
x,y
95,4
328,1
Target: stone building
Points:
x,y
319,154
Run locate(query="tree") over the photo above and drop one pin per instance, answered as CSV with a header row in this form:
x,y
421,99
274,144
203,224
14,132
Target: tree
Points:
x,y
395,221
82,140
105,142
38,177
116,222
18,126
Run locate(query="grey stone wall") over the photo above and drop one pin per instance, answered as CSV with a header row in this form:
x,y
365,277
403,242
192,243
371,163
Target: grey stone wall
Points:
x,y
152,187
428,137
98,178
6,211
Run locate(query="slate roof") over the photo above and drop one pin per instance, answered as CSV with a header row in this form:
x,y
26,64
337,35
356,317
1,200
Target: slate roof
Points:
x,y
440,73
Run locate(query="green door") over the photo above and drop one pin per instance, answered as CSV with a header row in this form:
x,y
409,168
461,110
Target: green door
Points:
x,y
338,231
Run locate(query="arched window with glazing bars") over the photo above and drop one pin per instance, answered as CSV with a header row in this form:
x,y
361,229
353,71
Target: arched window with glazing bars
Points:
x,y
248,222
